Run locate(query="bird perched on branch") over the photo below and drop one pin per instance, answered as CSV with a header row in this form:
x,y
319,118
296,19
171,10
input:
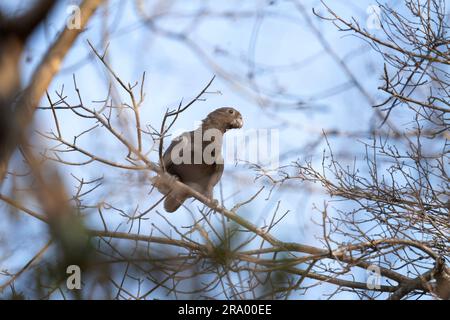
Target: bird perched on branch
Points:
x,y
195,157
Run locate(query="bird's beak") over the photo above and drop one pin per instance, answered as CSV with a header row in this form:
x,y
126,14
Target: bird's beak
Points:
x,y
237,123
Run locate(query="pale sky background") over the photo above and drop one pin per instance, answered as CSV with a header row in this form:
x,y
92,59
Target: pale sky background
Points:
x,y
287,57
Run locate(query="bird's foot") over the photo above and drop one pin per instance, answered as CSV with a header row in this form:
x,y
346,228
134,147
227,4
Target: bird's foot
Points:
x,y
171,179
215,203
164,183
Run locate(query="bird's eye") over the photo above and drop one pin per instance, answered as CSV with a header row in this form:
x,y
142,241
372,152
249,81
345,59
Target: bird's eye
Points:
x,y
230,111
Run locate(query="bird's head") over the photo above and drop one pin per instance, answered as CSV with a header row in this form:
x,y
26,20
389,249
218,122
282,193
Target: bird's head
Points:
x,y
224,118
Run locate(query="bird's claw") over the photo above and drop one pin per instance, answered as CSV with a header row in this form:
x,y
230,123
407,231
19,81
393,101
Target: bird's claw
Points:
x,y
215,203
164,183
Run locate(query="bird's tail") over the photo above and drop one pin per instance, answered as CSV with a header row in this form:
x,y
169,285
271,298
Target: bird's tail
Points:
x,y
173,202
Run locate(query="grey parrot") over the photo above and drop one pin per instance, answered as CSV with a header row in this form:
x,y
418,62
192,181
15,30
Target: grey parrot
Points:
x,y
195,157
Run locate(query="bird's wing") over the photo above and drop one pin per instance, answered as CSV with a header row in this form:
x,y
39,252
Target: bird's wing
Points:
x,y
168,157
214,179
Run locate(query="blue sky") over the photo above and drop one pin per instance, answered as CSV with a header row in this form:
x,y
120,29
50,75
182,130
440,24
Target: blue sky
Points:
x,y
286,57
